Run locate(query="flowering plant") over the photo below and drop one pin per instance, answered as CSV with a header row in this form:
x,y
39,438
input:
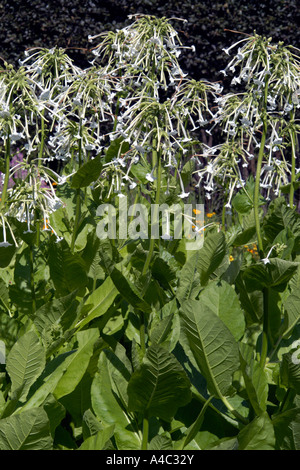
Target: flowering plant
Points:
x,y
174,340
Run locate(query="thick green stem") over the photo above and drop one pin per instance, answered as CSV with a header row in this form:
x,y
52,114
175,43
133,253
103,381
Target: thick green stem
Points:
x,y
32,286
224,218
264,346
235,413
42,139
145,433
156,209
142,333
6,179
78,198
293,171
77,217
258,172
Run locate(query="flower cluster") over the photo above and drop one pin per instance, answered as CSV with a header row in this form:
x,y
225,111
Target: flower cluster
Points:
x,y
135,94
267,101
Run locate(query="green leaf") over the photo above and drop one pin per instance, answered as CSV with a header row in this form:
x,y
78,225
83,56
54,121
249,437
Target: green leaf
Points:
x,y
287,429
7,253
116,149
255,378
166,331
161,442
140,170
67,270
222,300
99,301
87,173
211,255
292,312
257,435
121,279
78,363
55,317
25,363
243,200
28,430
275,274
99,440
111,411
212,346
285,189
4,296
189,279
159,386
281,271
56,412
244,237
47,382
290,371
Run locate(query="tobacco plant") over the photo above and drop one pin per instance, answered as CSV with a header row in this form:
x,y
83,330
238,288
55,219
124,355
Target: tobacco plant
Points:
x,y
125,343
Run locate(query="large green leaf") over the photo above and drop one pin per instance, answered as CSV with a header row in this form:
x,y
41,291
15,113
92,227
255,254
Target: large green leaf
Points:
x,y
255,379
189,279
292,312
222,299
276,274
159,386
87,173
290,370
4,296
211,255
45,385
257,435
120,275
99,301
211,344
78,363
55,317
111,410
287,428
25,363
67,270
99,440
29,430
243,201
116,149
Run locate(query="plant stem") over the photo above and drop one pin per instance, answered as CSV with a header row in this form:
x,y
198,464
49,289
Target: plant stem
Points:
x,y
293,173
78,197
42,138
6,179
142,333
194,429
77,216
32,287
258,171
223,218
264,346
233,411
145,433
155,213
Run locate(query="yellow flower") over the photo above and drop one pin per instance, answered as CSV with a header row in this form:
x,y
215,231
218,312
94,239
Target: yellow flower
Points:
x,y
231,258
210,214
196,211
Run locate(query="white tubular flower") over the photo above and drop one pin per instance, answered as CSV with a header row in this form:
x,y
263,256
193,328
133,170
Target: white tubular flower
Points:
x,y
4,243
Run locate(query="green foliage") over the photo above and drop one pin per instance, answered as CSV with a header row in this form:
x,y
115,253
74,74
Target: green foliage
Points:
x,y
98,352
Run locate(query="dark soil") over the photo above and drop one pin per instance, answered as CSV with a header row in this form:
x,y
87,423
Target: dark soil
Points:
x,y
67,23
